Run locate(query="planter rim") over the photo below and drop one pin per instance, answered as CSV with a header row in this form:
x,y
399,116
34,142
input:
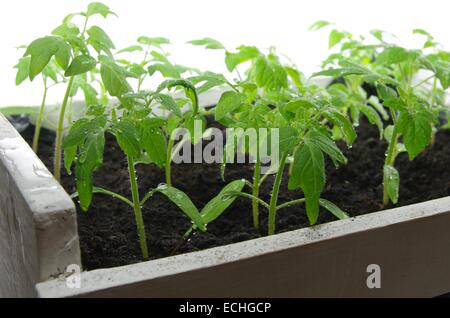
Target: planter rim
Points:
x,y
103,279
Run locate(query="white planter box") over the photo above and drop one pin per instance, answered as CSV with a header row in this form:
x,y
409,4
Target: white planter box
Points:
x,y
38,225
38,239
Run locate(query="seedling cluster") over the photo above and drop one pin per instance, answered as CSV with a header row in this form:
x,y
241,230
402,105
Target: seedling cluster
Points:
x,y
262,91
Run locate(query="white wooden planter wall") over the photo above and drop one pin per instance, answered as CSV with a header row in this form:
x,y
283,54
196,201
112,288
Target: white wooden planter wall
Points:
x,y
38,226
38,239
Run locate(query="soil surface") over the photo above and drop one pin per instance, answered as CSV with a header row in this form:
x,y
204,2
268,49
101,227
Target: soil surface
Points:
x,y
107,231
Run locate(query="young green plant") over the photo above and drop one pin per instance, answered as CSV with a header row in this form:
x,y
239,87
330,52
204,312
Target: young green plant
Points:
x,y
69,47
392,69
274,96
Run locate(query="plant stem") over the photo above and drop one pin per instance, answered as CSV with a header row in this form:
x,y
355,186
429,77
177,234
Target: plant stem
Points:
x,y
390,157
290,203
107,192
423,81
70,110
137,208
168,161
274,197
255,192
59,132
248,196
147,196
37,130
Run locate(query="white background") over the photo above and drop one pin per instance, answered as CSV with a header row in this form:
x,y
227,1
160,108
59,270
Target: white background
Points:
x,y
264,23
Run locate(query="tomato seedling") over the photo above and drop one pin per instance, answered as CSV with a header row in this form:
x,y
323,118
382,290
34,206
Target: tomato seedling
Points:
x,y
274,96
68,46
392,69
140,136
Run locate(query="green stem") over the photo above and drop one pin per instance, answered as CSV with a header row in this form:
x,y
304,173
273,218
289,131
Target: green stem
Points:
x,y
70,110
255,190
290,203
141,78
39,119
264,177
274,197
423,81
137,208
148,196
248,196
107,192
390,158
168,161
59,131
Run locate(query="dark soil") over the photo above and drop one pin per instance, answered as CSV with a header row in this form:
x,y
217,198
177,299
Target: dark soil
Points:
x,y
107,231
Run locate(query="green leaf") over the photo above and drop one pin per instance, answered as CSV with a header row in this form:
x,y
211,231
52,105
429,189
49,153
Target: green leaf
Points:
x,y
67,30
90,159
344,125
51,71
18,110
327,145
155,144
335,38
22,69
386,92
127,137
79,131
155,41
136,70
114,77
43,49
308,173
375,103
347,69
373,117
184,203
296,105
190,91
319,25
391,181
208,43
228,102
288,138
91,151
334,209
167,70
161,57
244,54
441,67
416,130
132,48
297,78
209,80
169,103
378,34
214,208
269,74
84,184
99,40
90,94
98,8
80,64
393,55
69,157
